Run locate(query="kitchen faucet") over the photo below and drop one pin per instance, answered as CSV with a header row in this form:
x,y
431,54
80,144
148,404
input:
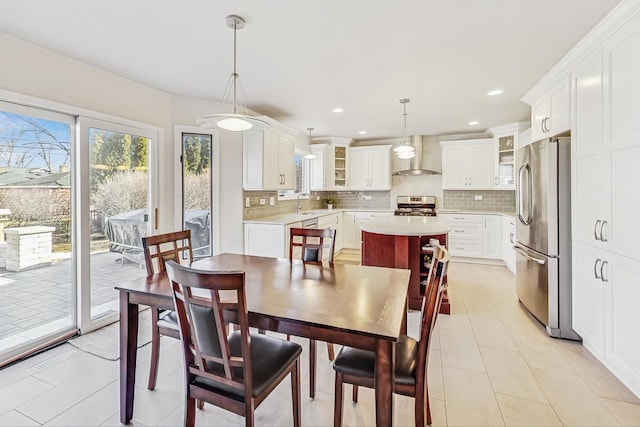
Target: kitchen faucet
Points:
x,y
299,203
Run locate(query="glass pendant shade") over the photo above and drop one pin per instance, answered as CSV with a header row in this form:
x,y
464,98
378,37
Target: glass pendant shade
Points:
x,y
406,155
403,148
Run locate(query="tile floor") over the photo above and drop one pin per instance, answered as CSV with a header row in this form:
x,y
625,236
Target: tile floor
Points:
x,y
490,365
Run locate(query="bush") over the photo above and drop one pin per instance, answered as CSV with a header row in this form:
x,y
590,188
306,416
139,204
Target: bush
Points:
x,y
122,192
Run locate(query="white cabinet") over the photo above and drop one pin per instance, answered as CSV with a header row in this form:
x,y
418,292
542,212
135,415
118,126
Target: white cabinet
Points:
x,y
475,235
268,157
492,236
350,231
330,168
268,240
508,240
370,168
465,236
550,112
334,222
352,234
468,165
505,142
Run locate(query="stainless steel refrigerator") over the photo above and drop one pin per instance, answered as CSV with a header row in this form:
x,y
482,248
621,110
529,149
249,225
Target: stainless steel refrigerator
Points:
x,y
543,233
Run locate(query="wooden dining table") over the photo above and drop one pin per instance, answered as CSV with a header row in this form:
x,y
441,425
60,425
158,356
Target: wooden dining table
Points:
x,y
354,305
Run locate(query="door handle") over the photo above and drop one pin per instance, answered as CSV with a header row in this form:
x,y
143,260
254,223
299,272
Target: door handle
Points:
x,y
595,229
511,237
521,251
603,236
602,270
595,269
524,170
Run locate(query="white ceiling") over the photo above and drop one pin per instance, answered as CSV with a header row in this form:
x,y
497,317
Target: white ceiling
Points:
x,y
298,59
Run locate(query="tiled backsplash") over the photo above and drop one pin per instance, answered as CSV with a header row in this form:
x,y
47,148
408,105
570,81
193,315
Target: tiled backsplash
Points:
x,y
496,201
344,199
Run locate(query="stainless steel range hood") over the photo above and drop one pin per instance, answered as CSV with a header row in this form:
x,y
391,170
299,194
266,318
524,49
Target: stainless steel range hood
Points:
x,y
416,164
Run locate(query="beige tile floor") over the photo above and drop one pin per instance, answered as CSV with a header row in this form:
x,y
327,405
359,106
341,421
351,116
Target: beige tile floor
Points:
x,y
490,365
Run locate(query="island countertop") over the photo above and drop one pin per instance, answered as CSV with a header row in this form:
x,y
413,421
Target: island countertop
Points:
x,y
407,225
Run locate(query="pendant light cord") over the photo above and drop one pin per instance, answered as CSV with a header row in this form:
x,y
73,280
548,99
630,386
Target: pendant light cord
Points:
x,y
235,74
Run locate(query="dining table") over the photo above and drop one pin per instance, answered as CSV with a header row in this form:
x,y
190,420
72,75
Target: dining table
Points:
x,y
354,305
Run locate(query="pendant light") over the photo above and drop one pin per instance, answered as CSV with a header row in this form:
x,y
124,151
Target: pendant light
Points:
x,y
310,156
404,150
234,121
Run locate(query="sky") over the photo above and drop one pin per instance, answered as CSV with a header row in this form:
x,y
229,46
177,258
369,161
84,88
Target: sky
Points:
x,y
22,144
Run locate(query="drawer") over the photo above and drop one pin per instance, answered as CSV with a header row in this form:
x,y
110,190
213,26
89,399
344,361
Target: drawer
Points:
x,y
465,248
471,231
463,218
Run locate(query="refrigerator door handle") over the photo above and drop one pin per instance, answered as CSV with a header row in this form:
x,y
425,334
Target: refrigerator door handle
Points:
x,y
525,170
522,252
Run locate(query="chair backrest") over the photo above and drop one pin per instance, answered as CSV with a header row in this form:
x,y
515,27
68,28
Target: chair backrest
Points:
x,y
203,328
312,242
160,248
431,303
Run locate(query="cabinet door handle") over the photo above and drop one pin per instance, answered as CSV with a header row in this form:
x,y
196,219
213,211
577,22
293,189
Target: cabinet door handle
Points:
x,y
603,235
495,180
602,270
595,229
511,238
595,269
545,123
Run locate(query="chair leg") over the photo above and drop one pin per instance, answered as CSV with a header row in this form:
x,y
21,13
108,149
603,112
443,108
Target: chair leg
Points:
x,y
354,395
190,412
200,404
338,401
312,368
421,409
249,413
331,351
155,349
295,394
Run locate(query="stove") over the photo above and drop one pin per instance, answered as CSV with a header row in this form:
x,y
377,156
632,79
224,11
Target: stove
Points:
x,y
416,206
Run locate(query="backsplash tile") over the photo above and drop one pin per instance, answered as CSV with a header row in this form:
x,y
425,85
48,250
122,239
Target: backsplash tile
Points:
x,y
492,201
344,200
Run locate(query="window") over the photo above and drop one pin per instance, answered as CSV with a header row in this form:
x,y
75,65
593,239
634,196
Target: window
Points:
x,y
302,178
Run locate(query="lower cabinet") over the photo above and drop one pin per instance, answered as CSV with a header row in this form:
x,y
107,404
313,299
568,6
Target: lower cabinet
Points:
x,y
268,240
352,235
508,240
333,221
475,235
605,295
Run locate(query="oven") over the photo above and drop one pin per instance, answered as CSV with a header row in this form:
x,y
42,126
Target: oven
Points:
x,y
416,206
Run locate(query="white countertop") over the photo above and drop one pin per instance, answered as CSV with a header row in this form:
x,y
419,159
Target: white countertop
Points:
x,y
469,212
407,225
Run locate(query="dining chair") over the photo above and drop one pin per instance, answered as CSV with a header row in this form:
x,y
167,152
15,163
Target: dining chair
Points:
x,y
309,245
159,249
234,371
356,367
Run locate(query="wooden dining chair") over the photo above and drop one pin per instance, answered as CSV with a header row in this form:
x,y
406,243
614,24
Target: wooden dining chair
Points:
x,y
236,371
159,249
309,244
356,367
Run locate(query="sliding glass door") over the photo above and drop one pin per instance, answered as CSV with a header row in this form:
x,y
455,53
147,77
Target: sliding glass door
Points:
x,y
37,275
116,212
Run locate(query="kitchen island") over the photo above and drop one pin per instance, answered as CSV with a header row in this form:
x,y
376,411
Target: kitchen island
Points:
x,y
402,242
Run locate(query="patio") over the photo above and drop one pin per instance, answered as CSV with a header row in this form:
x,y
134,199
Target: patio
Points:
x,y
42,297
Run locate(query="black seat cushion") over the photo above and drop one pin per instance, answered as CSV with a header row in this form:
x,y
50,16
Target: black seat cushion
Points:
x,y
169,319
269,356
360,363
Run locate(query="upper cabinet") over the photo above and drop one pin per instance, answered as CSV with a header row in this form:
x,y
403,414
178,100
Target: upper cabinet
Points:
x,y
468,165
550,111
370,168
268,157
505,142
330,168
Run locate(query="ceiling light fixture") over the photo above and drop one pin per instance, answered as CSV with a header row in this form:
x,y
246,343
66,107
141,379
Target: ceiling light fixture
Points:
x,y
404,146
474,122
495,92
310,156
338,110
362,132
234,121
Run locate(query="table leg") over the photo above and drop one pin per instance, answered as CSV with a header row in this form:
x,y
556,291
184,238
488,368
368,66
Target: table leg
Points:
x,y
384,377
128,353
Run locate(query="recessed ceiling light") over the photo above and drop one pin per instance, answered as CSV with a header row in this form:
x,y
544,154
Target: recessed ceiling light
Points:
x,y
337,110
495,92
474,122
362,132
